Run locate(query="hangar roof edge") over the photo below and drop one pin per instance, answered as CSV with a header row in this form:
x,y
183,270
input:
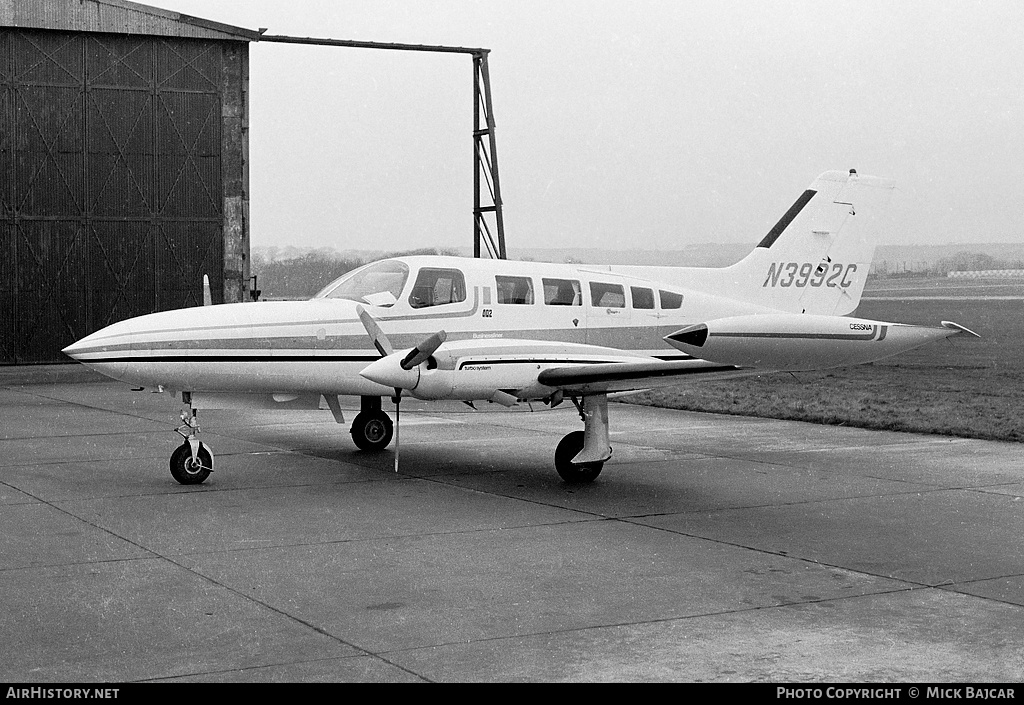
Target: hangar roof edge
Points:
x,y
115,16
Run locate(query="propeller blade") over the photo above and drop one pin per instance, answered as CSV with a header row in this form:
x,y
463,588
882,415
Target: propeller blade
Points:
x,y
380,341
398,425
424,350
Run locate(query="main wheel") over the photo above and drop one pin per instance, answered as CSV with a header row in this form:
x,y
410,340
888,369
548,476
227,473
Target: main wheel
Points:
x,y
188,471
575,473
372,430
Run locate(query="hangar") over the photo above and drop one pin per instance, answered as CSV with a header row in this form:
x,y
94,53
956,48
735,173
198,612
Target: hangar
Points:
x,y
124,162
125,173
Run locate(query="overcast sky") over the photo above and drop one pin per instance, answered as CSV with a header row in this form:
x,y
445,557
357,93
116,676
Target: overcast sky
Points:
x,y
650,124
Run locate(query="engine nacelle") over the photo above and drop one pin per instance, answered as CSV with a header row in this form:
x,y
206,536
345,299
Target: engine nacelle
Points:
x,y
789,342
471,381
480,381
496,370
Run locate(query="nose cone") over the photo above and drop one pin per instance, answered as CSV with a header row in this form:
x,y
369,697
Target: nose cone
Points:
x,y
80,349
105,350
388,371
114,340
75,349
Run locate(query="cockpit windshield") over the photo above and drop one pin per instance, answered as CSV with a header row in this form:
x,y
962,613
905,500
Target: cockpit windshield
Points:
x,y
377,284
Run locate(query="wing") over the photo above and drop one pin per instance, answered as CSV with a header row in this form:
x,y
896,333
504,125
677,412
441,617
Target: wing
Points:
x,y
630,376
475,369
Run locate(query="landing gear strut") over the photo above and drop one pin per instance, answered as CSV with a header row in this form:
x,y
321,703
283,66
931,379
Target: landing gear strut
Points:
x,y
581,455
372,429
192,462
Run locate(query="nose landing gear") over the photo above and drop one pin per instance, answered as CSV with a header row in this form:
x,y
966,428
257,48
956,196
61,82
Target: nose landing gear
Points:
x,y
191,462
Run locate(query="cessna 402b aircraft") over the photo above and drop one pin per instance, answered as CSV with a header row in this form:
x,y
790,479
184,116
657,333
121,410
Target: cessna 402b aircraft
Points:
x,y
444,328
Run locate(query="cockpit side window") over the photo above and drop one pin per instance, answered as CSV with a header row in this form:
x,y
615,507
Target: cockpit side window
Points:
x,y
437,287
378,284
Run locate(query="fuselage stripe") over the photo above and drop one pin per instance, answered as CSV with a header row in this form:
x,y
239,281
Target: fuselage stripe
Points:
x,y
800,336
535,361
230,358
561,377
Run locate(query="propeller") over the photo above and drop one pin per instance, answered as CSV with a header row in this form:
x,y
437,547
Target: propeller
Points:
x,y
422,352
386,371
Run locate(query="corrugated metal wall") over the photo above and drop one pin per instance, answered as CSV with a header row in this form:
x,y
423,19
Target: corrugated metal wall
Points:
x,y
112,191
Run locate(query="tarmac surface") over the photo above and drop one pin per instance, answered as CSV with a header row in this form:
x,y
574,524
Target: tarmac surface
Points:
x,y
711,548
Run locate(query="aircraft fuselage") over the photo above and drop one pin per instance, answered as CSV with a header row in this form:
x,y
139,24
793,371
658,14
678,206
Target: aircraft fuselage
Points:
x,y
569,313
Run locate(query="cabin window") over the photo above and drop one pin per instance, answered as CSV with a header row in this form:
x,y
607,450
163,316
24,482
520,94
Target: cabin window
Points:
x,y
562,292
607,295
514,290
437,287
642,298
378,284
670,300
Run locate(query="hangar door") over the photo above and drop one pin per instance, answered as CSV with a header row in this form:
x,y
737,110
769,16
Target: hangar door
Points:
x,y
111,190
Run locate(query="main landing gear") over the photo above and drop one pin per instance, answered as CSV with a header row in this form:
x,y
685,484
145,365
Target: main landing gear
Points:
x,y
372,429
192,462
581,455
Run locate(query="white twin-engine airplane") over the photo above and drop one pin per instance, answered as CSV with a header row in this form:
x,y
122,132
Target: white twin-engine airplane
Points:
x,y
444,328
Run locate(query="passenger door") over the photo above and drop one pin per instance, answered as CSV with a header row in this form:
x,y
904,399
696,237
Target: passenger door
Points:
x,y
608,315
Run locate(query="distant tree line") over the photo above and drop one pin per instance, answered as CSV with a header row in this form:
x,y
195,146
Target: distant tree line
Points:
x,y
960,262
292,273
974,262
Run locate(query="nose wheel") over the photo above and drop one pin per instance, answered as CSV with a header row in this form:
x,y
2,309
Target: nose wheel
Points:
x,y
188,469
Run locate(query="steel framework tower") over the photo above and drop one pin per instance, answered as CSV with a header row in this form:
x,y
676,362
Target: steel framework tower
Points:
x,y
486,201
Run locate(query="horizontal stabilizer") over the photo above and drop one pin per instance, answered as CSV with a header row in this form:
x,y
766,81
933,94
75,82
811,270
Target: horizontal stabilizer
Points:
x,y
959,328
795,342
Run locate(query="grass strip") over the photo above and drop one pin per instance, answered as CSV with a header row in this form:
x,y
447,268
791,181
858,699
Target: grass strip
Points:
x,y
965,401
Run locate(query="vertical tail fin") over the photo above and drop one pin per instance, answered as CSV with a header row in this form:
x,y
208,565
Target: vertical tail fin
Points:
x,y
817,258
